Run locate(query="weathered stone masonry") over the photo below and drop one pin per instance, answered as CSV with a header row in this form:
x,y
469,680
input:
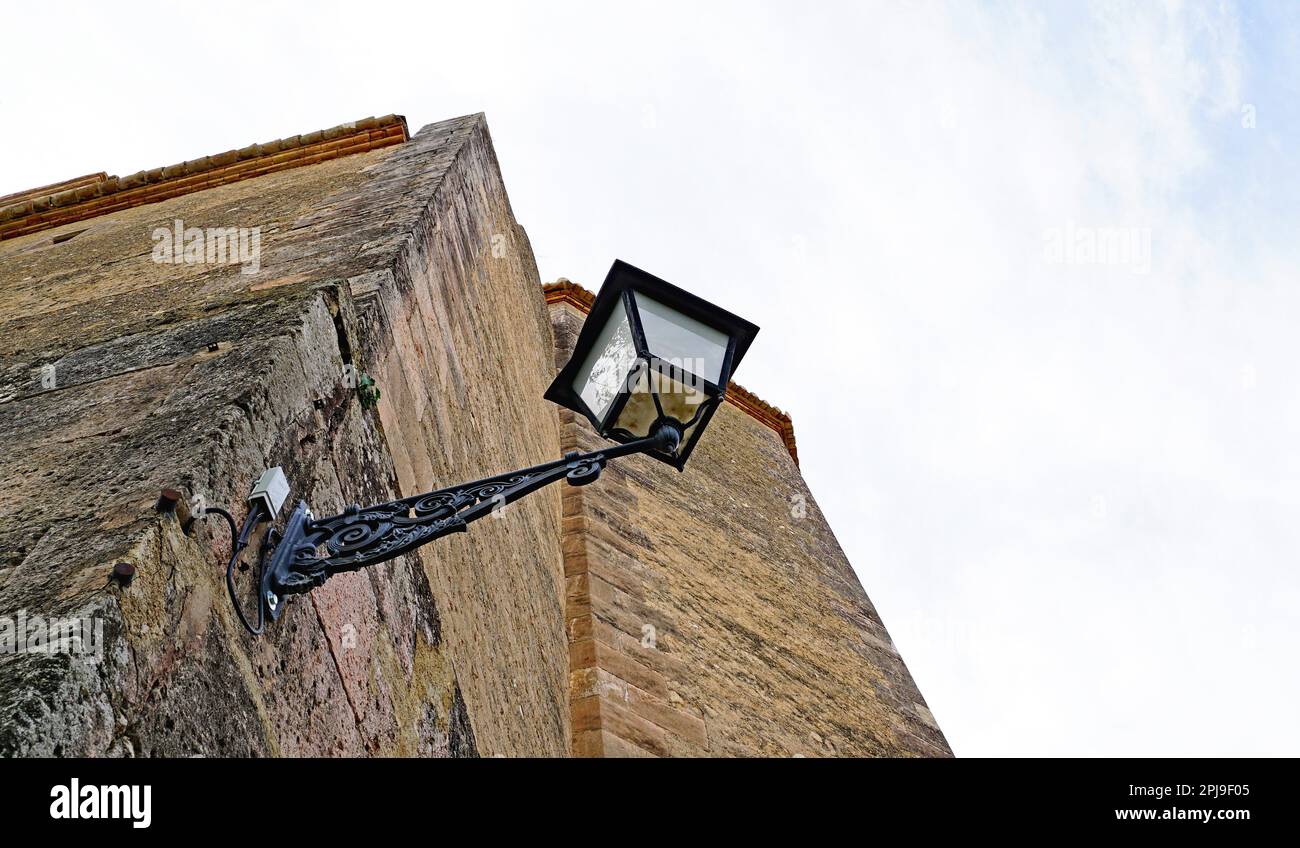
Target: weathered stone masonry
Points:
x,y
653,613
712,613
369,663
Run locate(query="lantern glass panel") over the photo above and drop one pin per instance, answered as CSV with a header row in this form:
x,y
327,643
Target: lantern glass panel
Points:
x,y
680,399
682,340
607,366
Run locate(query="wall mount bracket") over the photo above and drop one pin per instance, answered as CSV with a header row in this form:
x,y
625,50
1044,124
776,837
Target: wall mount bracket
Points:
x,y
309,550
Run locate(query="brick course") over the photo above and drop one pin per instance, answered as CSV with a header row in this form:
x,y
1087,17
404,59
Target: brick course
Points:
x,y
704,618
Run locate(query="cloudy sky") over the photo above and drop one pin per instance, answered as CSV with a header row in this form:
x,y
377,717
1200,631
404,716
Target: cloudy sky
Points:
x,y
1027,277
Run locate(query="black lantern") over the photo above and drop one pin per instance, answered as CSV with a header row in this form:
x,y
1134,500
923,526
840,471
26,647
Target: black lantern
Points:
x,y
649,368
651,354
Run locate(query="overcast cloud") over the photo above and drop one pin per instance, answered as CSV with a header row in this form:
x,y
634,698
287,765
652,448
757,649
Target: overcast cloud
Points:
x,y
1069,487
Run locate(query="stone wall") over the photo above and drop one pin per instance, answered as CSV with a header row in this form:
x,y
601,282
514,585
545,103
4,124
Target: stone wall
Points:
x,y
402,263
702,613
462,381
711,612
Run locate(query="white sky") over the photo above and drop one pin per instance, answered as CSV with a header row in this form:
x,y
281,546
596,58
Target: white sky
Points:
x,y
1070,489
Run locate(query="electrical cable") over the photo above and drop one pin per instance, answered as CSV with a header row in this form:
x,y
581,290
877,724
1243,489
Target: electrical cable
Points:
x,y
238,543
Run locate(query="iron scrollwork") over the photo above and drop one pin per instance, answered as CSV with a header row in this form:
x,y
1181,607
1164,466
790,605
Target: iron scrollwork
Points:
x,y
310,550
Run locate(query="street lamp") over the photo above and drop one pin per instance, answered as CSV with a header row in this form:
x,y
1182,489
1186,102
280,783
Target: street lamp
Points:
x,y
649,368
651,355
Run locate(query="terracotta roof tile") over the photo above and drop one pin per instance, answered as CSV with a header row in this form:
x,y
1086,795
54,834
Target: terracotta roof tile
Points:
x,y
45,191
99,194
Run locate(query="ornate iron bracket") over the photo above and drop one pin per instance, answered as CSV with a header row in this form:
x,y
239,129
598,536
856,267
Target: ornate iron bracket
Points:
x,y
310,550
